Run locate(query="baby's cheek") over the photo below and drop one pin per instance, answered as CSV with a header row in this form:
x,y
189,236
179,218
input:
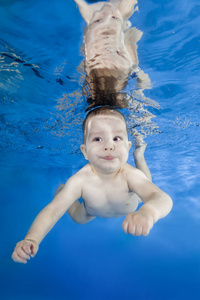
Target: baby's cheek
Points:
x,y
125,155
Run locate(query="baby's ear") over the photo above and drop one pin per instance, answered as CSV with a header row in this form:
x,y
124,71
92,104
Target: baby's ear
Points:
x,y
83,150
130,144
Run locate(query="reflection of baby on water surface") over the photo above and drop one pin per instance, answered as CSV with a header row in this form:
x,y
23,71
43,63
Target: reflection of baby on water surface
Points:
x,y
110,49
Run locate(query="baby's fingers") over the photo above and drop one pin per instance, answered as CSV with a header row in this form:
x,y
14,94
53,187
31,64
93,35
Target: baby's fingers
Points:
x,y
20,256
27,248
137,224
125,226
22,252
32,248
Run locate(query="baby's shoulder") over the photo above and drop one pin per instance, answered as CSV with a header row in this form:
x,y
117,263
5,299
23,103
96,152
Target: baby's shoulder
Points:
x,y
78,179
130,171
83,173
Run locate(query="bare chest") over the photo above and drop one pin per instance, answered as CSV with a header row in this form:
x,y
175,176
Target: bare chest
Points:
x,y
109,200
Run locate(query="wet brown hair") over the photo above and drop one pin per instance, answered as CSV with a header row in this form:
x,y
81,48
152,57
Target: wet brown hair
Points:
x,y
103,111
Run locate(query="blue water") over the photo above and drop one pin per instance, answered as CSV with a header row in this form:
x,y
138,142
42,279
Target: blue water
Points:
x,y
41,111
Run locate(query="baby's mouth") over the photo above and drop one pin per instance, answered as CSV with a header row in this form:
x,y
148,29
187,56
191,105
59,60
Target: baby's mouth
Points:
x,y
108,157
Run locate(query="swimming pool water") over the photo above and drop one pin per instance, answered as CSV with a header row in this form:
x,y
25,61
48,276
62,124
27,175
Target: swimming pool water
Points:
x,y
41,112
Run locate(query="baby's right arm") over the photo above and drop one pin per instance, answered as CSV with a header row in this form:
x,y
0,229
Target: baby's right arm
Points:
x,y
47,218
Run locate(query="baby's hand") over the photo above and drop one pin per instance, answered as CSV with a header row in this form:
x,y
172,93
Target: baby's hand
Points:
x,y
138,223
23,250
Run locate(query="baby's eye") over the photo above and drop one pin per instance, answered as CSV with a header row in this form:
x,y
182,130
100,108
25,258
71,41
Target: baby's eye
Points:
x,y
113,17
117,138
97,139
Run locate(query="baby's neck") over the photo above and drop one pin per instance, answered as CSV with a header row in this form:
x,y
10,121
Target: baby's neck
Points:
x,y
105,175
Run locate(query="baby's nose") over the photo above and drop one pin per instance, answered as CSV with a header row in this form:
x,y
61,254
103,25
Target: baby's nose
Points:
x,y
109,146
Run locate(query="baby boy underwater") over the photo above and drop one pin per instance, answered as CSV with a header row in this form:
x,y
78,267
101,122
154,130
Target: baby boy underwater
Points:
x,y
108,185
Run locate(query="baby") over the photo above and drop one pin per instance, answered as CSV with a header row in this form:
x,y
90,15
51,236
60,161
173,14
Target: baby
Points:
x,y
108,185
110,50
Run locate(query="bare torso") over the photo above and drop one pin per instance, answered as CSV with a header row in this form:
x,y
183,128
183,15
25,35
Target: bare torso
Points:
x,y
107,198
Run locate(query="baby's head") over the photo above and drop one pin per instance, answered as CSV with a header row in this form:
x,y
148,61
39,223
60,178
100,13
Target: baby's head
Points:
x,y
106,143
101,111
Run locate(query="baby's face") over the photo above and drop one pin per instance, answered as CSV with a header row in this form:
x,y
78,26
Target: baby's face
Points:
x,y
107,144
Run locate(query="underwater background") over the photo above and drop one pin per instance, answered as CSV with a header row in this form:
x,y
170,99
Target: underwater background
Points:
x,y
41,113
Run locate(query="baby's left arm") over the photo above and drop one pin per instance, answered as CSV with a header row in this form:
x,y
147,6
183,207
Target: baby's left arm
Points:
x,y
157,204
